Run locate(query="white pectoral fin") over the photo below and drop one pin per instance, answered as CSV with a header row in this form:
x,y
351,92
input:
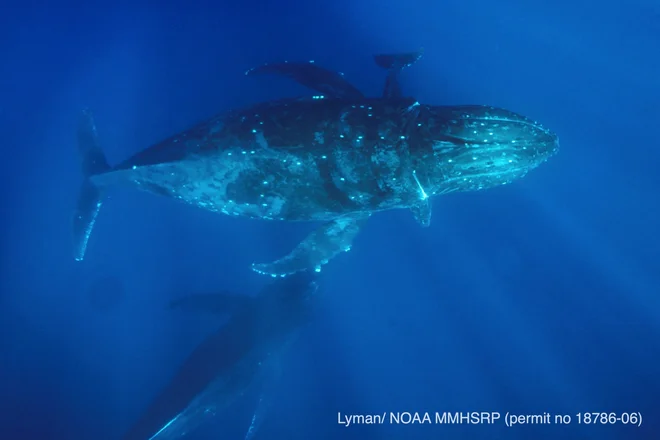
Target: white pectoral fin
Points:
x,y
265,400
422,212
317,248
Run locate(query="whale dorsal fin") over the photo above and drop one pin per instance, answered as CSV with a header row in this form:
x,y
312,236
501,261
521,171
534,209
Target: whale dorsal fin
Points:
x,y
216,303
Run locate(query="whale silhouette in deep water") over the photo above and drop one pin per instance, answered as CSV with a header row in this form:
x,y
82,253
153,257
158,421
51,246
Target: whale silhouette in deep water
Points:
x,y
243,354
335,158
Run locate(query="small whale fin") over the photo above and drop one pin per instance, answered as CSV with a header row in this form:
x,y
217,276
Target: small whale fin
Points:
x,y
90,198
395,63
313,76
318,247
219,303
422,212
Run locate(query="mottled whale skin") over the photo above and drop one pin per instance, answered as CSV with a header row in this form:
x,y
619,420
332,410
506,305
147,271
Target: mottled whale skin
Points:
x,y
335,160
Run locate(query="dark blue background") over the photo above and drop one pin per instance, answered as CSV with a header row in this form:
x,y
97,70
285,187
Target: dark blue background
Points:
x,y
539,296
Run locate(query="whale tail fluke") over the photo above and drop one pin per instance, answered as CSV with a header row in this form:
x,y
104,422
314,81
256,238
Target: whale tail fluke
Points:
x,y
90,198
394,64
398,60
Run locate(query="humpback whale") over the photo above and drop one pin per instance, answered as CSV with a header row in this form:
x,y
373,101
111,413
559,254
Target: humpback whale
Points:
x,y
336,158
231,360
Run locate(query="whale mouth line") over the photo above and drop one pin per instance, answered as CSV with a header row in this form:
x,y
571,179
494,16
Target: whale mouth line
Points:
x,y
507,120
504,174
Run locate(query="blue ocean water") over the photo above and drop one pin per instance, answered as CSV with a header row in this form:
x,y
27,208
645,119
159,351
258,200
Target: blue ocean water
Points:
x,y
538,297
